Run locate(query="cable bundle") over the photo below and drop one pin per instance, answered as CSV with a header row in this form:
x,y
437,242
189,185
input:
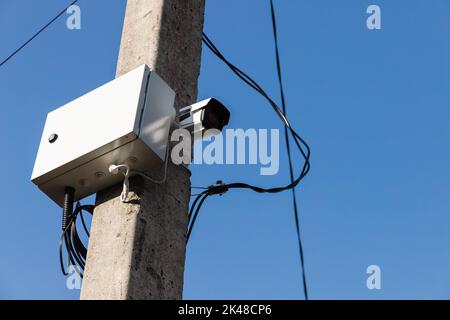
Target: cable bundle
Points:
x,y
75,249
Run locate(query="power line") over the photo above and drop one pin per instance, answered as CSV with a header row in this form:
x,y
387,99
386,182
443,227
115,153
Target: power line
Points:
x,y
36,34
288,147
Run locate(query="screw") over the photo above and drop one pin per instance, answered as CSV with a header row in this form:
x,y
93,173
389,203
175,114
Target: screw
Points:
x,y
53,137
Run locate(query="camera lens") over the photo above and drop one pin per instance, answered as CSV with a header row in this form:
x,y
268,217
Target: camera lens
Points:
x,y
215,116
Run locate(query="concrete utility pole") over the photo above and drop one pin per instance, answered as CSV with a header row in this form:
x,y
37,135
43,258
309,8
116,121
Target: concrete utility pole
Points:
x,y
137,250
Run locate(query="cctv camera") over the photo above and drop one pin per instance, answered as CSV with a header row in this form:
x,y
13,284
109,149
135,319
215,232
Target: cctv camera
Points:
x,y
204,115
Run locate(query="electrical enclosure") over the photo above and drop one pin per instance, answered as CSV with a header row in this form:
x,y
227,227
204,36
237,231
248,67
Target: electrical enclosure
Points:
x,y
124,121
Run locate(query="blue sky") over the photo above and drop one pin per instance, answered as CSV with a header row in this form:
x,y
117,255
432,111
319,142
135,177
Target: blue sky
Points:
x,y
372,104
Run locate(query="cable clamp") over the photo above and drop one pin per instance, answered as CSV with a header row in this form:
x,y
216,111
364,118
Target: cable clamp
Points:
x,y
219,188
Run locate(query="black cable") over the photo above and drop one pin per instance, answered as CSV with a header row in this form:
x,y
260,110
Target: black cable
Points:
x,y
193,216
36,34
301,144
288,147
70,240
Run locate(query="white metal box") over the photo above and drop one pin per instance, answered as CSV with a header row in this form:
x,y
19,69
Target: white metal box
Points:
x,y
125,121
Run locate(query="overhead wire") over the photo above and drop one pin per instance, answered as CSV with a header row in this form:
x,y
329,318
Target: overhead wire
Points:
x,y
15,52
288,148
